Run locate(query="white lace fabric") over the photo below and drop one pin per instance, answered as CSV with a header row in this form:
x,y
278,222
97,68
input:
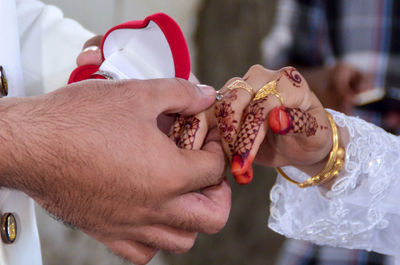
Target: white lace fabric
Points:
x,y
362,210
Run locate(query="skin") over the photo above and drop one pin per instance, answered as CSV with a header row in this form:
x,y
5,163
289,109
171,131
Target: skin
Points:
x,y
92,56
266,132
263,131
95,154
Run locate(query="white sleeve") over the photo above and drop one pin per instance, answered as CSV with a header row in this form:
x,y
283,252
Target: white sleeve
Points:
x,y
50,44
362,210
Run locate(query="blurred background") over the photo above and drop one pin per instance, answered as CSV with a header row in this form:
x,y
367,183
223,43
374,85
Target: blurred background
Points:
x,y
224,38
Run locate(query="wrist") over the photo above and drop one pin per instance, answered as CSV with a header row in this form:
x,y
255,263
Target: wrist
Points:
x,y
10,148
333,164
320,165
21,148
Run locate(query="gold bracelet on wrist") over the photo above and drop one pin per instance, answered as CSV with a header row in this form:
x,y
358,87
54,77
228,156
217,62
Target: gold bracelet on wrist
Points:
x,y
333,166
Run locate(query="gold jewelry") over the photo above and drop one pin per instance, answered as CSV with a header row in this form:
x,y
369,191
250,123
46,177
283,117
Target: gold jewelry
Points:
x,y
333,166
235,84
241,84
268,89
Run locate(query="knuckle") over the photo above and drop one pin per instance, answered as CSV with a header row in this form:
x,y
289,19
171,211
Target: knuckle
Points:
x,y
233,79
255,69
293,76
95,41
220,218
287,68
138,89
185,86
290,72
185,246
145,258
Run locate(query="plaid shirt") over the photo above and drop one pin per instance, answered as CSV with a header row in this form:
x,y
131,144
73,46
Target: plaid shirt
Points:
x,y
362,33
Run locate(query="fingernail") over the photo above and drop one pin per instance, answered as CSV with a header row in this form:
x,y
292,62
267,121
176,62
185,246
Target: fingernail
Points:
x,y
237,165
206,90
241,164
91,48
245,178
279,121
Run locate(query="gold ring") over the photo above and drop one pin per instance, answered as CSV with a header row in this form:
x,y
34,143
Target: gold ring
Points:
x,y
268,89
241,84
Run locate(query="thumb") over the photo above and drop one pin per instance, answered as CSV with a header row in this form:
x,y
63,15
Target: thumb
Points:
x,y
181,96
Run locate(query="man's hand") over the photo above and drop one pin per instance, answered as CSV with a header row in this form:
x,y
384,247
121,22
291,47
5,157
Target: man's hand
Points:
x,y
92,154
337,86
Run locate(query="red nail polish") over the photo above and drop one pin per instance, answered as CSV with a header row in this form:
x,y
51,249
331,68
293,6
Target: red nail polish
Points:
x,y
279,121
245,178
241,169
237,167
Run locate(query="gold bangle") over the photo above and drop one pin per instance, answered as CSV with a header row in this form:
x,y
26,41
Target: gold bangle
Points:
x,y
333,166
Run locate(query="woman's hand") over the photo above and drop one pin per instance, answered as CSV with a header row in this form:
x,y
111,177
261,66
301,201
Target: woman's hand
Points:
x,y
270,132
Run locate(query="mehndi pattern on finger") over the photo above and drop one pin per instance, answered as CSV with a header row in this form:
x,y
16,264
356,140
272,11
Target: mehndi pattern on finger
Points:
x,y
225,119
283,120
184,131
176,129
253,119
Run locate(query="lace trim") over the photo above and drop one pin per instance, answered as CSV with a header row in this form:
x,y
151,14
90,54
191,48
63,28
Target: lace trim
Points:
x,y
350,214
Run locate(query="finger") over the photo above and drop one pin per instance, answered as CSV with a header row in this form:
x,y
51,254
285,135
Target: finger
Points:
x,y
89,57
206,211
189,132
133,251
91,53
165,123
306,128
179,96
289,84
229,110
250,137
95,41
166,238
362,83
193,79
201,168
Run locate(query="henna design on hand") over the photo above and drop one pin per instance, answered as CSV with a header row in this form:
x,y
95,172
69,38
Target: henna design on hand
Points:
x,y
176,129
184,131
284,120
253,118
225,119
294,76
